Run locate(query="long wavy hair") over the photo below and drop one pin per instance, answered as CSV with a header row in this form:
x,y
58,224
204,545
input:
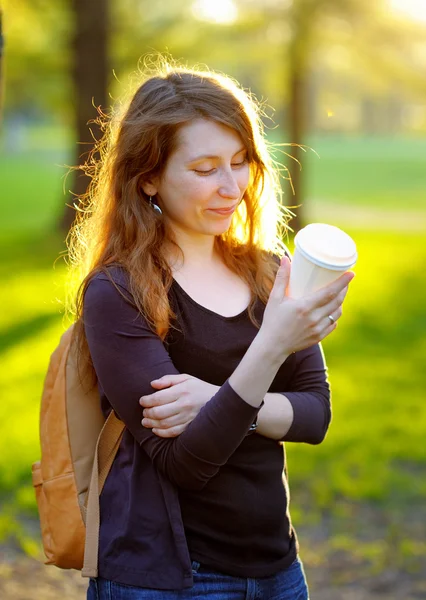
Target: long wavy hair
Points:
x,y
115,223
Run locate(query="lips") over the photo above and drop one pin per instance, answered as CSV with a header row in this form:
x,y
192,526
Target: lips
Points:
x,y
224,211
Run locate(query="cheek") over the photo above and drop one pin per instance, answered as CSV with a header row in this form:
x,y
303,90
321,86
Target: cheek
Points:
x,y
244,178
180,189
198,188
188,193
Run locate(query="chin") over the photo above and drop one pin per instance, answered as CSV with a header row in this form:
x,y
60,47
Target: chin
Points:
x,y
218,230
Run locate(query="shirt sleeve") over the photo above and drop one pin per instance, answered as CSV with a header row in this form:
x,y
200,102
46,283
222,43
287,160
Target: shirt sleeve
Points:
x,y
309,396
127,355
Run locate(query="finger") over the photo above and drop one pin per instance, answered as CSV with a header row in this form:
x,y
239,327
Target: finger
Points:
x,y
329,328
169,433
331,318
162,412
158,398
169,380
327,294
281,279
164,423
334,305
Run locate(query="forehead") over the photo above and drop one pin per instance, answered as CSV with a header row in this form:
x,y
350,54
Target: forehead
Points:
x,y
202,136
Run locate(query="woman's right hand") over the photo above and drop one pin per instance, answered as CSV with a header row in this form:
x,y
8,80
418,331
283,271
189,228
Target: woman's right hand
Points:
x,y
291,324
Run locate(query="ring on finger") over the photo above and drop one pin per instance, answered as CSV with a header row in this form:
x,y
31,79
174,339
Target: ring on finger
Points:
x,y
332,319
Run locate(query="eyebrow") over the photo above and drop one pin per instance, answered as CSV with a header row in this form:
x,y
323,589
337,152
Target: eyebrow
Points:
x,y
207,156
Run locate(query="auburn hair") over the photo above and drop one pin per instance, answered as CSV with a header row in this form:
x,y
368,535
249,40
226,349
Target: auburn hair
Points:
x,y
115,223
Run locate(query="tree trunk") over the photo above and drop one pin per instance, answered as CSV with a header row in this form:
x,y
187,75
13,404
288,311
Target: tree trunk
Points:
x,y
90,75
368,110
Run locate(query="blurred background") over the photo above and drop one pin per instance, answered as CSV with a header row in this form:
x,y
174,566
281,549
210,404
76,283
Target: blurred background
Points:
x,y
344,79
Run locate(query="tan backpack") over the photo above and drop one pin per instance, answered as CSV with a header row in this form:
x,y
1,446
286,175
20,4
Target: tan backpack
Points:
x,y
77,450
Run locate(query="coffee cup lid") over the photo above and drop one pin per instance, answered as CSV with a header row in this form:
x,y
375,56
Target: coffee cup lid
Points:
x,y
326,246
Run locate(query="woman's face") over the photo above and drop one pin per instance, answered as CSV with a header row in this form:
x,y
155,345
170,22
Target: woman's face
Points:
x,y
207,171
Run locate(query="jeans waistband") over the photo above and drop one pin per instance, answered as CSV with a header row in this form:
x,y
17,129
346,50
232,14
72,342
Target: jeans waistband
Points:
x,y
199,568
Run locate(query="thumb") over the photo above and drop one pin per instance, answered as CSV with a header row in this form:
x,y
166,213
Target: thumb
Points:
x,y
169,380
281,279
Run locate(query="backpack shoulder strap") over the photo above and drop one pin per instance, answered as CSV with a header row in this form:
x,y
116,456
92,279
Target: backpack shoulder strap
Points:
x,y
106,449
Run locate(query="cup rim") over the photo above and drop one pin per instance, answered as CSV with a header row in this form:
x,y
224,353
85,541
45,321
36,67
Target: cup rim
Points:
x,y
343,266
325,265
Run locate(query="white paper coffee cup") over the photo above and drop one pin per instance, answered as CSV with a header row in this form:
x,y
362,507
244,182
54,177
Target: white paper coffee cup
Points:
x,y
322,253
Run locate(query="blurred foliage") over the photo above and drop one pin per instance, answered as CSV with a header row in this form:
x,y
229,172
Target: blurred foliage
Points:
x,y
37,56
358,46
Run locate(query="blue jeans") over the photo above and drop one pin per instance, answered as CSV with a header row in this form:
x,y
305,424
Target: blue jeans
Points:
x,y
289,584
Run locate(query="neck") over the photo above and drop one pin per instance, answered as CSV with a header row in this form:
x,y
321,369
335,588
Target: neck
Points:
x,y
199,252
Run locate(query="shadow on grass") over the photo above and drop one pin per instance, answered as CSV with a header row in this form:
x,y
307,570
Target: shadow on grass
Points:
x,y
25,329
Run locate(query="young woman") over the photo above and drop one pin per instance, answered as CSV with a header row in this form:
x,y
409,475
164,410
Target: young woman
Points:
x,y
181,242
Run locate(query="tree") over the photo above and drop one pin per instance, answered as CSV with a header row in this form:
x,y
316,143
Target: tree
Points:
x,y
90,77
309,21
380,44
275,47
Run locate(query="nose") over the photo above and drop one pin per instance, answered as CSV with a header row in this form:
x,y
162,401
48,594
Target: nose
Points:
x,y
229,187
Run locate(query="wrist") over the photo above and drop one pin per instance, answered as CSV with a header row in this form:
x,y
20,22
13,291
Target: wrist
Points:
x,y
256,371
253,427
213,390
270,351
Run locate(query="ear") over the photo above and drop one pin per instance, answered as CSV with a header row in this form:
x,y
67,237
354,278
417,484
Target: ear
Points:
x,y
150,187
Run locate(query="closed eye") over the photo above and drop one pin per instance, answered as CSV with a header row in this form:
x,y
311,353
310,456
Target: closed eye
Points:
x,y
239,164
209,172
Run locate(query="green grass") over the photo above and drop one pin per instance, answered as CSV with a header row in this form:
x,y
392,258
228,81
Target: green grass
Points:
x,y
375,446
377,172
32,194
30,324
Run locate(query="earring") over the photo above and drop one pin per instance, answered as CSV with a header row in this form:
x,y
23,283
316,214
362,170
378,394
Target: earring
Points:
x,y
155,206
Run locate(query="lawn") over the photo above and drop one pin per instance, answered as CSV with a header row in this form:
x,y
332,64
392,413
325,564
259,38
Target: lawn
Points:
x,y
374,451
375,446
376,172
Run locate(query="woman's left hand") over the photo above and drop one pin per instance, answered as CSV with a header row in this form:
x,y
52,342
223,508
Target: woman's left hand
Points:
x,y
175,405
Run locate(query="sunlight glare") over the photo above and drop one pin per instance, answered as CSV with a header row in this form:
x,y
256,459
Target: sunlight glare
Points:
x,y
216,11
415,9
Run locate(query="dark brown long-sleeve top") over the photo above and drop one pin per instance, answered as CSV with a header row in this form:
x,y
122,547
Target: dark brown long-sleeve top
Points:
x,y
213,494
